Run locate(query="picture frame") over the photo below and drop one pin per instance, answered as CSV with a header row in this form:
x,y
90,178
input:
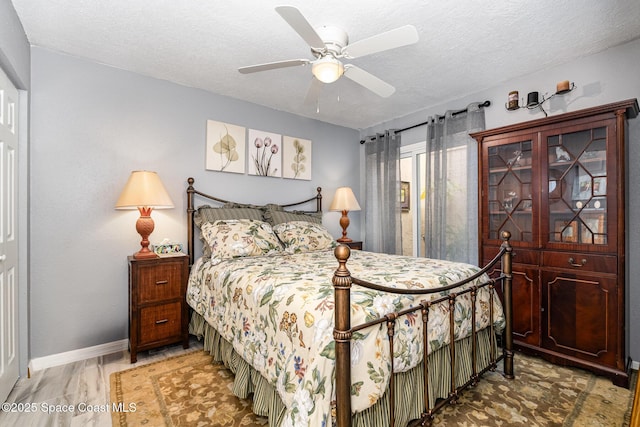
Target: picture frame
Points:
x,y
600,186
296,158
225,147
582,186
566,231
593,230
405,196
264,151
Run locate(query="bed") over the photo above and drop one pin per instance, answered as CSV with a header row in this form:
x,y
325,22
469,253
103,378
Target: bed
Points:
x,y
321,335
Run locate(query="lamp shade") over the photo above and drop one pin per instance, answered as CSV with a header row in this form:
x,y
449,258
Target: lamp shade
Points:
x,y
144,189
344,200
327,69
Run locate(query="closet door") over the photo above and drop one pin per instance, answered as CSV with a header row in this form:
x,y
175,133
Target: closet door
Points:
x,y
8,236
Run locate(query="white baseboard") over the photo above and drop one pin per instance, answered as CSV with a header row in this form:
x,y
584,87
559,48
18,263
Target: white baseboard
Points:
x,y
40,363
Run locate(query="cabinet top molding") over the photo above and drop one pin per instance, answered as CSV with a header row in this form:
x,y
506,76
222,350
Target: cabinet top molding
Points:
x,y
630,106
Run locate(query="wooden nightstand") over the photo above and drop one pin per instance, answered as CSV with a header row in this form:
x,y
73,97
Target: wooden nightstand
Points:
x,y
353,245
158,312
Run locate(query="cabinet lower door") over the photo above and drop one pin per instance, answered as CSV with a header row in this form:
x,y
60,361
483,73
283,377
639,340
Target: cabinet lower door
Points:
x,y
579,314
526,305
525,292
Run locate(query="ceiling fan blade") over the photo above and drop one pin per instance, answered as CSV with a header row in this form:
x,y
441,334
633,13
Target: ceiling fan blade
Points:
x,y
300,24
313,93
273,65
384,41
369,81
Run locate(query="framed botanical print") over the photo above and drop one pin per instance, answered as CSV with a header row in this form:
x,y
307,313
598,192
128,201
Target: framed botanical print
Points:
x,y
225,147
405,196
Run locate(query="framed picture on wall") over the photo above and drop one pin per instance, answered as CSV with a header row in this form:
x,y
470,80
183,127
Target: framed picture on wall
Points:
x,y
405,192
296,158
225,147
265,153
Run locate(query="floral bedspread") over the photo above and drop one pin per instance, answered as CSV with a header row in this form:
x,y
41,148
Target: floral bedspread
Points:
x,y
277,311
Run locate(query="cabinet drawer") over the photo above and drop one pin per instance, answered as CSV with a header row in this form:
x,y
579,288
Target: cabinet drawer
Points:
x,y
581,262
159,282
160,322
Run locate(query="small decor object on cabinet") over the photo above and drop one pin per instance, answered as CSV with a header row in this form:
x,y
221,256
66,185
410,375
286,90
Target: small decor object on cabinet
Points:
x,y
562,87
567,231
569,276
533,98
166,248
562,155
599,186
515,160
513,100
582,187
158,312
593,230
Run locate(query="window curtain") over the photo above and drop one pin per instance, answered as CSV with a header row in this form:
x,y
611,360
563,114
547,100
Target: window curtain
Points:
x,y
382,189
451,208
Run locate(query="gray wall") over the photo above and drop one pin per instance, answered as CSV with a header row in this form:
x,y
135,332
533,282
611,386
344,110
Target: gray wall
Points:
x,y
91,125
14,46
606,77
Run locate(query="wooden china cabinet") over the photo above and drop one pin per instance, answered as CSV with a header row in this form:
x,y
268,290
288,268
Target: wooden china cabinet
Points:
x,y
558,185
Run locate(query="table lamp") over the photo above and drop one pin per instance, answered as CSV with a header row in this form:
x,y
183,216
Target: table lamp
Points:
x,y
345,201
144,191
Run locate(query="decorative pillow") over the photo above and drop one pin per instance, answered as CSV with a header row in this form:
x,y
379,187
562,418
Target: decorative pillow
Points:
x,y
235,238
275,214
303,236
205,214
210,214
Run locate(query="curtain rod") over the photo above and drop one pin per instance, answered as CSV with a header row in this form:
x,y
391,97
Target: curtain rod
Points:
x,y
484,104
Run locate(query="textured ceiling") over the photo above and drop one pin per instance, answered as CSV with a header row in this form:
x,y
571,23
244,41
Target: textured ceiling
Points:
x,y
465,46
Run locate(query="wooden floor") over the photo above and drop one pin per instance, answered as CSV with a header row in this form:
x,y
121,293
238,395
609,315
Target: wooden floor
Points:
x,y
83,384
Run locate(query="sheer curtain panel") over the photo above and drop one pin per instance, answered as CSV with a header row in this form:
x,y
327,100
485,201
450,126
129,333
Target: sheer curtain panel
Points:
x,y
451,208
382,187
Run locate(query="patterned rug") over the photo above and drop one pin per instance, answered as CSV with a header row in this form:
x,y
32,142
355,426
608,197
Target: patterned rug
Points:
x,y
541,394
186,390
189,390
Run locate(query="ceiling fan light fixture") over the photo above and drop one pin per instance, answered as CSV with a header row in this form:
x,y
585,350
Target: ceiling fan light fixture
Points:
x,y
327,69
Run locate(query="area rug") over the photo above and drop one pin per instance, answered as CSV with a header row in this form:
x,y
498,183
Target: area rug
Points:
x,y
185,390
541,394
189,390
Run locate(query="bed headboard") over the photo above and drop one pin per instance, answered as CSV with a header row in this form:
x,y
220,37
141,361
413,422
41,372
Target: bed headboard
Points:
x,y
191,209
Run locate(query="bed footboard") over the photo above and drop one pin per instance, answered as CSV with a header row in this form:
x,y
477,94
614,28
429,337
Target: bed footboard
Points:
x,y
343,331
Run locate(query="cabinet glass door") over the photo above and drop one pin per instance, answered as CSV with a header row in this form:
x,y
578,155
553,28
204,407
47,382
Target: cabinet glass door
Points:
x,y
510,190
577,180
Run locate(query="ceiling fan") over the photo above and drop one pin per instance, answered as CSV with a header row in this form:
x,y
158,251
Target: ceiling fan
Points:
x,y
329,46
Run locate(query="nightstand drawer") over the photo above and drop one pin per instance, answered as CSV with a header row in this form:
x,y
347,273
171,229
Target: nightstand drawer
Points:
x,y
159,282
157,304
160,322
